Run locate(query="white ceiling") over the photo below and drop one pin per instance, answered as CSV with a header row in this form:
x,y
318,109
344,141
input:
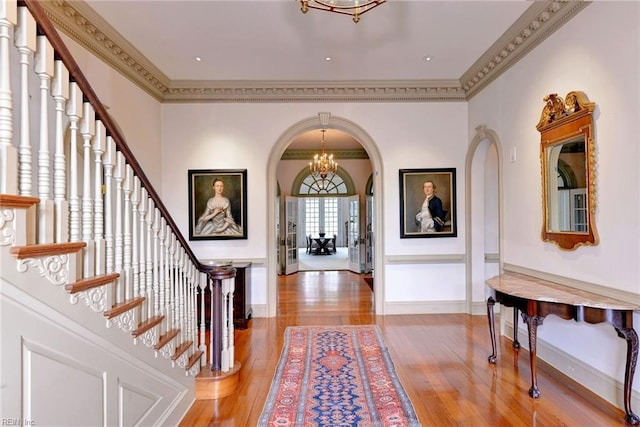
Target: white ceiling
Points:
x,y
273,40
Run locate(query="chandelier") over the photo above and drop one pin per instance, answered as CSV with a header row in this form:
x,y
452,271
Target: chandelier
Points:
x,y
354,8
323,164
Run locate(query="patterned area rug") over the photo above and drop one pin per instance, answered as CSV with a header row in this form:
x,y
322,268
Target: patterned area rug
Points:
x,y
336,376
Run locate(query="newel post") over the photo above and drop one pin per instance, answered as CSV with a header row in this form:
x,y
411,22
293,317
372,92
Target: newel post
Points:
x,y
221,318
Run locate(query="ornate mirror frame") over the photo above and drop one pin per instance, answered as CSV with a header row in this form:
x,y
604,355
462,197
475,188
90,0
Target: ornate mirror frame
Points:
x,y
566,126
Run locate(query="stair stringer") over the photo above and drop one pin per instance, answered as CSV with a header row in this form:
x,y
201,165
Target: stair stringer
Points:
x,y
49,331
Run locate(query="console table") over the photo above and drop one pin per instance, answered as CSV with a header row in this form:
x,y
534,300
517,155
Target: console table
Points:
x,y
536,298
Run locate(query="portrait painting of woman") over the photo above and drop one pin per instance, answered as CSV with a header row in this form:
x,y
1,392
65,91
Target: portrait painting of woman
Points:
x,y
217,208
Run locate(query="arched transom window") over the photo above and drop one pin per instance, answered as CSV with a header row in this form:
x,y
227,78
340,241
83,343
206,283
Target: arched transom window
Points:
x,y
307,184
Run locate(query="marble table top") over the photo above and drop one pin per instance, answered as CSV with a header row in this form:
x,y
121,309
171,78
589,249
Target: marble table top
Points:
x,y
528,287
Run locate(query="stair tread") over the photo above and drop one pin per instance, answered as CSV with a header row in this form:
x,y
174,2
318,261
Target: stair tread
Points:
x,y
91,282
145,326
195,357
46,249
15,201
180,350
123,307
166,338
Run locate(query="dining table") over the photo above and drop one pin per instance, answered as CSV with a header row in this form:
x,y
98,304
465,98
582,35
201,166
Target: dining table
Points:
x,y
323,246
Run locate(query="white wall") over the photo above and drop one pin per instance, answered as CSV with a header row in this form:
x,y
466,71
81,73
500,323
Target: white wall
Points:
x,y
241,136
597,52
137,114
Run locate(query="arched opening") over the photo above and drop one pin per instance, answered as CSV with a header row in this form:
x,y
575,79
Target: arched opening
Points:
x,y
483,217
323,207
280,146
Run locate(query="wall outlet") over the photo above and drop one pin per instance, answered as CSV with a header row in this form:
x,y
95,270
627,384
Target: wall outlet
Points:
x,y
512,154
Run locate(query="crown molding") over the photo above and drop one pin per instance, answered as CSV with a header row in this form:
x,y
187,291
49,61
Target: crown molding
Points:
x,y
305,154
80,22
318,91
538,22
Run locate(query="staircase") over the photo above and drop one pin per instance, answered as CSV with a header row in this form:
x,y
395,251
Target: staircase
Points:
x,y
99,290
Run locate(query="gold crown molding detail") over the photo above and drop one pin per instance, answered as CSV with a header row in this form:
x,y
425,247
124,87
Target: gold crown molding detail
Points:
x,y
78,21
269,91
307,155
537,23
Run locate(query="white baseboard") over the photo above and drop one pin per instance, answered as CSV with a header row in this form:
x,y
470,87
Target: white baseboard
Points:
x,y
425,307
608,388
259,310
411,307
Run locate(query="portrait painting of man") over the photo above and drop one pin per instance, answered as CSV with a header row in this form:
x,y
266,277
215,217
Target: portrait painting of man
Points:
x,y
427,203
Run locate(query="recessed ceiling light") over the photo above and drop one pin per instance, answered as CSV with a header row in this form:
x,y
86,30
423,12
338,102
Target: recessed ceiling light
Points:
x,y
328,58
426,58
198,59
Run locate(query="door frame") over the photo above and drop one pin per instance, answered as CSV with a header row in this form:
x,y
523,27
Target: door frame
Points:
x,y
474,221
306,125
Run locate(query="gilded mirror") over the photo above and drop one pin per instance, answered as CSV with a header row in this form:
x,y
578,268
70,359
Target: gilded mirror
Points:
x,y
568,170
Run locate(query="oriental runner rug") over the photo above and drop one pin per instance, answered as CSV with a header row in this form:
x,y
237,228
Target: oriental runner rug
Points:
x,y
336,376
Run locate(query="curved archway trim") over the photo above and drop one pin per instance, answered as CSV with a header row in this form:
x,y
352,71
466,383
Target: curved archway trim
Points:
x,y
305,125
482,133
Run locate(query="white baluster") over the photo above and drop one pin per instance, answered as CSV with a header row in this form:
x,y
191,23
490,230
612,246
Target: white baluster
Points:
x,y
60,92
142,212
25,42
150,257
87,130
109,163
211,329
43,66
135,239
162,282
118,176
74,113
156,261
99,147
191,303
196,280
181,288
224,356
230,335
202,286
173,265
8,153
127,187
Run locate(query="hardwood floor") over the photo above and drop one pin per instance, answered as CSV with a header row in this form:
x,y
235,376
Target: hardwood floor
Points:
x,y
441,360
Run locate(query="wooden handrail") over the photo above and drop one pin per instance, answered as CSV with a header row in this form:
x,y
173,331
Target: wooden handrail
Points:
x,y
46,27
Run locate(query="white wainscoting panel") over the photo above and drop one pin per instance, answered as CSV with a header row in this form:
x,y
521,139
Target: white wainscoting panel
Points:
x,y
58,369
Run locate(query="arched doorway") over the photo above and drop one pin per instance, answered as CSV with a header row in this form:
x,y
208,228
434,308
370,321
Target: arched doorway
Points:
x,y
483,217
323,207
313,123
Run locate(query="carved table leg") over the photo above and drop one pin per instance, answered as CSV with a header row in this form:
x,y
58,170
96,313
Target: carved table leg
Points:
x,y
516,343
492,328
630,335
532,325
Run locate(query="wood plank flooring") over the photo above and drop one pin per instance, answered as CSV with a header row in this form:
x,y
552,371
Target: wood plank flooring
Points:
x,y
441,360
